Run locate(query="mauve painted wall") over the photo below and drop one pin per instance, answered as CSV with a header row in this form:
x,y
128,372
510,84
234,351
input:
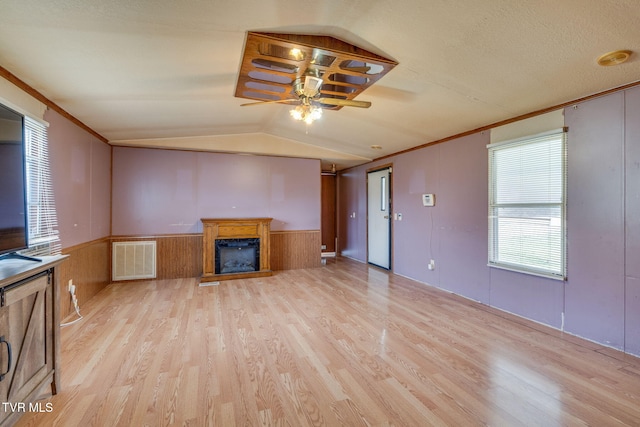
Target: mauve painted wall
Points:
x,y
462,226
594,306
601,298
632,221
81,175
168,191
451,232
413,176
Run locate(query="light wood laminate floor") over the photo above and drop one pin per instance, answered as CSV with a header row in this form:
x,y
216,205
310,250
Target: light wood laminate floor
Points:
x,y
344,344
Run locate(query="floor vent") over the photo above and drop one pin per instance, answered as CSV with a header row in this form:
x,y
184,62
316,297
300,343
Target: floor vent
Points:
x,y
134,260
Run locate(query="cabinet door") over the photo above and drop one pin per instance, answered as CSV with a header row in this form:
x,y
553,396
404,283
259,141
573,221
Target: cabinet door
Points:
x,y
23,324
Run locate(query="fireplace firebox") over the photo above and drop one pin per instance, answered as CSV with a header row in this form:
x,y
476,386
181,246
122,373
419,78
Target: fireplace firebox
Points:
x,y
237,255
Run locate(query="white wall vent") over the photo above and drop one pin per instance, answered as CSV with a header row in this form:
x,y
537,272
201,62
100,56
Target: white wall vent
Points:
x,y
133,260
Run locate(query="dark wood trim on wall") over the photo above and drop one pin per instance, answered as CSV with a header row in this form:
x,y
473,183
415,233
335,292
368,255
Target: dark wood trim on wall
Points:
x,y
291,250
179,256
89,267
8,75
178,248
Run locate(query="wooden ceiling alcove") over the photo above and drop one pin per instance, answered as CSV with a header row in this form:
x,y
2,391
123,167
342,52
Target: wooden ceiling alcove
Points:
x,y
273,62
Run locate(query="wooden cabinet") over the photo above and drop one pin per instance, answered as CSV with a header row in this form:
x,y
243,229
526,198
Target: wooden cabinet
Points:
x,y
29,326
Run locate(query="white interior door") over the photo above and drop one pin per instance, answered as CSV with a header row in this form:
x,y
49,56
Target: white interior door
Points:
x,y
379,218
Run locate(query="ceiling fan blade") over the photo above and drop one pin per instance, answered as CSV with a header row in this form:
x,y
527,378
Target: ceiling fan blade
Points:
x,y
344,102
278,101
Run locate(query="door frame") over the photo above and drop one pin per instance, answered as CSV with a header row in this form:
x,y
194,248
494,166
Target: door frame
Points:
x,y
375,169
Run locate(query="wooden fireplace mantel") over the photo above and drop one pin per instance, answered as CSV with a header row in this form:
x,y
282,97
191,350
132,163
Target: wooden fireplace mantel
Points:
x,y
234,228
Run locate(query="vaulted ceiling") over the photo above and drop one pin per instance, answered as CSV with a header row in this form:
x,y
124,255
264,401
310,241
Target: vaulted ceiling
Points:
x,y
163,73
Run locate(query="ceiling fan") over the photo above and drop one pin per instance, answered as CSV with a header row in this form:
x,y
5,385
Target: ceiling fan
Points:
x,y
312,72
310,100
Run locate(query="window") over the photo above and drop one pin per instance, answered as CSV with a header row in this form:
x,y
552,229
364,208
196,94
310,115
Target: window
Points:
x,y
527,186
43,224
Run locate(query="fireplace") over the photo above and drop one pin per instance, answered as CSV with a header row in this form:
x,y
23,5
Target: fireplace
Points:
x,y
235,248
237,255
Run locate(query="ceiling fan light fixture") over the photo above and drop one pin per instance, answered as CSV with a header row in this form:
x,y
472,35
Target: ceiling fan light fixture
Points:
x,y
296,54
306,113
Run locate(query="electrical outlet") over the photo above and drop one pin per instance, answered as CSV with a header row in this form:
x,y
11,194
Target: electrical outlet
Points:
x,y
432,265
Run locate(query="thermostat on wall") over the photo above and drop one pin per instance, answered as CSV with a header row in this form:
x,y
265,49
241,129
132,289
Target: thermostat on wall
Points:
x,y
428,199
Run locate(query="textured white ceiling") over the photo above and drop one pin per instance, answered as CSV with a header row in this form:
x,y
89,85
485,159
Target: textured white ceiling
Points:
x,y
162,73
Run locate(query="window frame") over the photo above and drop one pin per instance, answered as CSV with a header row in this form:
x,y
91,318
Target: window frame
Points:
x,y
494,219
42,235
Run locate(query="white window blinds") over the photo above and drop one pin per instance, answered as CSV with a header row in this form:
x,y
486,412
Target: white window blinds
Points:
x,y
43,224
527,186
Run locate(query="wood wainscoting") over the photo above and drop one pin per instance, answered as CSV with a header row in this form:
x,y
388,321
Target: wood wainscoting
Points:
x,y
180,256
89,266
177,255
292,250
